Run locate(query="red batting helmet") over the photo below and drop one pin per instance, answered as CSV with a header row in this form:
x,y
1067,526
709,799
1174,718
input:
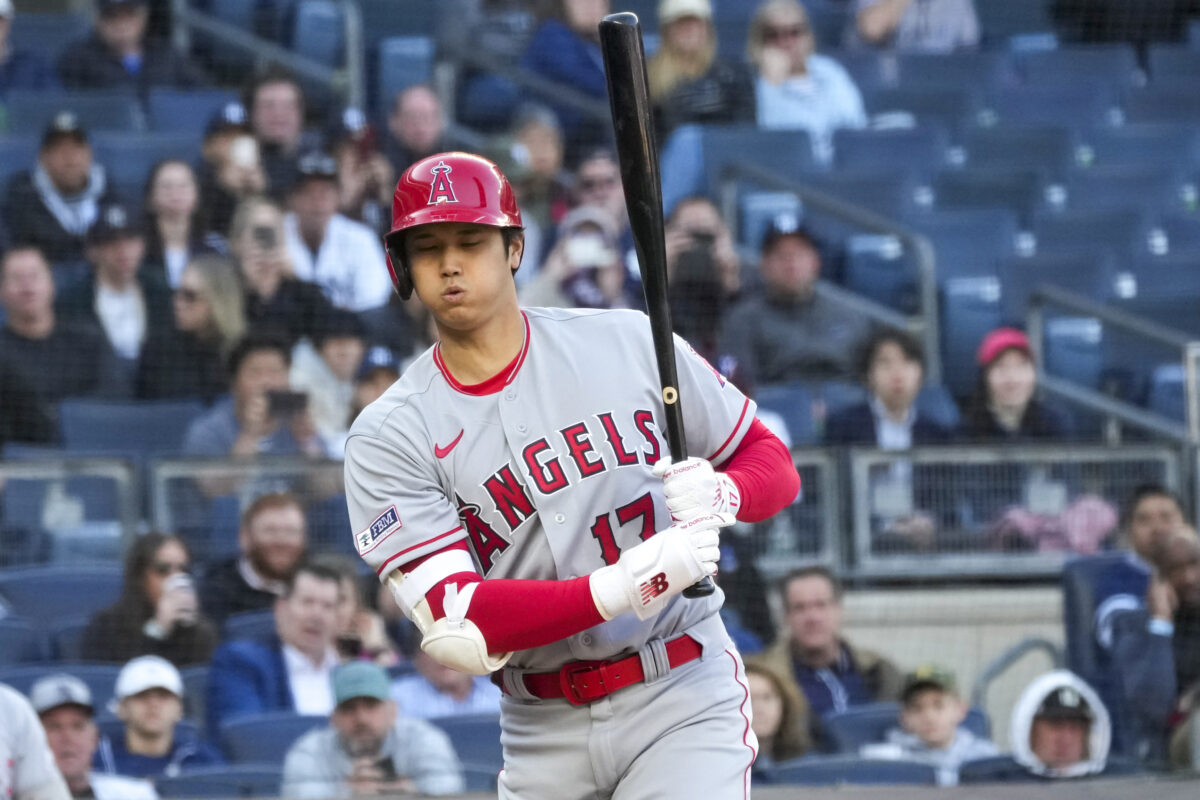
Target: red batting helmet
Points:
x,y
447,187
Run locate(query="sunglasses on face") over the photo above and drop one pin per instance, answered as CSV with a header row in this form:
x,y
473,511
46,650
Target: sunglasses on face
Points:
x,y
187,295
165,568
785,33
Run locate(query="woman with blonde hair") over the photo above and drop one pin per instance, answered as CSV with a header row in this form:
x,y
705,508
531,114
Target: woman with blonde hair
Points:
x,y
688,82
209,313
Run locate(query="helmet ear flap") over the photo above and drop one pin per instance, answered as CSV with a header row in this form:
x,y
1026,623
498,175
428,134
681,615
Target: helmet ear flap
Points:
x,y
397,264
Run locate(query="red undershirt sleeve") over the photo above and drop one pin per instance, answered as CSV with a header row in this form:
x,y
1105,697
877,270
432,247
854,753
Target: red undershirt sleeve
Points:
x,y
763,470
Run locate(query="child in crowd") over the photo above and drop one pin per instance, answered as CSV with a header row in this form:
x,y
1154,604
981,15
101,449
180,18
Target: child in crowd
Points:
x,y
931,729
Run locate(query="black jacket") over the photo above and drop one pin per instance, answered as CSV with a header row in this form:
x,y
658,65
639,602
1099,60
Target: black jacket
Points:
x,y
856,425
79,303
115,634
30,222
179,365
89,64
723,95
297,309
225,592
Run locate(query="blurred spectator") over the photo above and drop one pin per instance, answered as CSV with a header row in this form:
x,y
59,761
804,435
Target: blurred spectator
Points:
x,y
1004,406
565,49
189,360
777,715
688,82
52,206
20,68
439,691
379,370
703,271
369,748
292,671
64,704
232,168
928,26
275,106
149,697
584,270
797,88
366,179
325,372
831,674
176,231
53,358
158,612
360,629
931,731
401,326
272,540
129,304
598,183
1156,655
117,54
416,127
345,258
789,331
542,186
260,416
276,300
893,368
1059,729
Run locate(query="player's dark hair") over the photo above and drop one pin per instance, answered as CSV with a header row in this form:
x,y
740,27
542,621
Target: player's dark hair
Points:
x,y
322,572
272,74
268,501
907,344
811,571
1142,492
255,342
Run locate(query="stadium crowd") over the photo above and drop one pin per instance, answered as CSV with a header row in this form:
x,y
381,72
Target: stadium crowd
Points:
x,y
247,274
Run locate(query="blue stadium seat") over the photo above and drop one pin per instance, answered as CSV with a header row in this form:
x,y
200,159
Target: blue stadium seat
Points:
x,y
17,153
877,267
1172,61
400,62
185,111
1048,150
974,69
1142,143
266,737
1183,232
1005,769
1114,65
828,19
760,209
29,112
1056,104
66,637
852,770
49,33
1072,348
101,679
476,738
793,402
20,641
318,31
1175,102
1000,22
226,780
921,150
128,158
1124,231
971,308
866,68
195,693
148,427
1021,191
847,731
384,18
44,594
480,779
249,625
891,192
1174,275
785,153
1155,188
1088,272
969,242
934,402
950,108
1167,394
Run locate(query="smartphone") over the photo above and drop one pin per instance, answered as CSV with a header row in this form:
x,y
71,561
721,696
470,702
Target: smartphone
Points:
x,y
588,251
285,403
182,582
243,152
264,236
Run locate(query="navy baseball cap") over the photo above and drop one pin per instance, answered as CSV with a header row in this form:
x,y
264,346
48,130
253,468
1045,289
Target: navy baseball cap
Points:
x,y
1065,703
377,358
784,225
64,125
230,117
114,221
104,6
316,166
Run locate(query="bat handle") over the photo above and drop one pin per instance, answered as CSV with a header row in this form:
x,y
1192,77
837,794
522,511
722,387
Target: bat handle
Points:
x,y
702,588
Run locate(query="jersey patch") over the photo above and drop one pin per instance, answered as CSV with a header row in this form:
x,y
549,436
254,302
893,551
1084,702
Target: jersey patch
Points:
x,y
378,530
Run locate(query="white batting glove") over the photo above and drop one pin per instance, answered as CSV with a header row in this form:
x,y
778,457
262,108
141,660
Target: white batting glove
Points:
x,y
692,488
647,576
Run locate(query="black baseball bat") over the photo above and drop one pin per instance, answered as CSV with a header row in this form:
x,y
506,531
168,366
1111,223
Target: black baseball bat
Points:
x,y
633,124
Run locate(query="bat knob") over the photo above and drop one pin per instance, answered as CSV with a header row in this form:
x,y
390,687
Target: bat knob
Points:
x,y
700,589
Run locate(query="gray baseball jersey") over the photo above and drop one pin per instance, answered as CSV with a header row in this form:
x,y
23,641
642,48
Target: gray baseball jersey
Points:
x,y
548,474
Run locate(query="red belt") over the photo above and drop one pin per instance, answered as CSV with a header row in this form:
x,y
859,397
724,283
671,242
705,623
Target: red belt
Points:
x,y
583,682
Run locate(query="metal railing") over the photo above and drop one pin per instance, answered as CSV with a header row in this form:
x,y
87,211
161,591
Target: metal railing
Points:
x,y
808,531
924,325
1046,296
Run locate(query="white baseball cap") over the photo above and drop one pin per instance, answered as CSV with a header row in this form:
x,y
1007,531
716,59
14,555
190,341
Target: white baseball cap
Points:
x,y
148,672
6,9
61,689
671,10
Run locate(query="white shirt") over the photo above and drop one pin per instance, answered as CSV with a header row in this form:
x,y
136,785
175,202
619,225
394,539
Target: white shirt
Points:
x,y
312,685
123,316
889,434
819,102
349,267
119,787
177,260
27,769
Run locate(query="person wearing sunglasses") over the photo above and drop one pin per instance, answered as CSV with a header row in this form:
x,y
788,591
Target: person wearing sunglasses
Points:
x,y
158,612
923,26
796,87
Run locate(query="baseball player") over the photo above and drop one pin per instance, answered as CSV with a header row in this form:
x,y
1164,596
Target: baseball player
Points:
x,y
512,488
27,769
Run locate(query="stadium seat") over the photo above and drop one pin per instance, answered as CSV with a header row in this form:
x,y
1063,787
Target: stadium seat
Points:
x,y
1073,348
877,267
851,770
968,242
920,150
48,34
128,158
384,18
784,153
891,192
17,153
971,308
476,738
266,737
1167,394
1088,272
847,731
949,108
66,638
1048,150
1056,104
1173,275
1005,769
29,112
793,402
934,402
1141,143
101,679
1156,188
1000,22
1175,102
147,427
20,641
1172,61
1125,231
318,31
226,780
1018,190
1113,65
258,625
1183,233
185,111
45,594
828,19
976,69
400,62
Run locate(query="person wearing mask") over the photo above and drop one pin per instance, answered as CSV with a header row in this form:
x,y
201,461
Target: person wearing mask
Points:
x,y
158,612
175,230
190,360
1005,406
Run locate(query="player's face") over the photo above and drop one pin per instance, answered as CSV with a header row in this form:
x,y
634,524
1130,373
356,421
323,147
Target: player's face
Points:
x,y
1059,742
73,739
363,723
307,619
153,712
169,559
933,716
26,288
462,273
894,378
275,541
1152,519
767,705
814,615
1011,380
